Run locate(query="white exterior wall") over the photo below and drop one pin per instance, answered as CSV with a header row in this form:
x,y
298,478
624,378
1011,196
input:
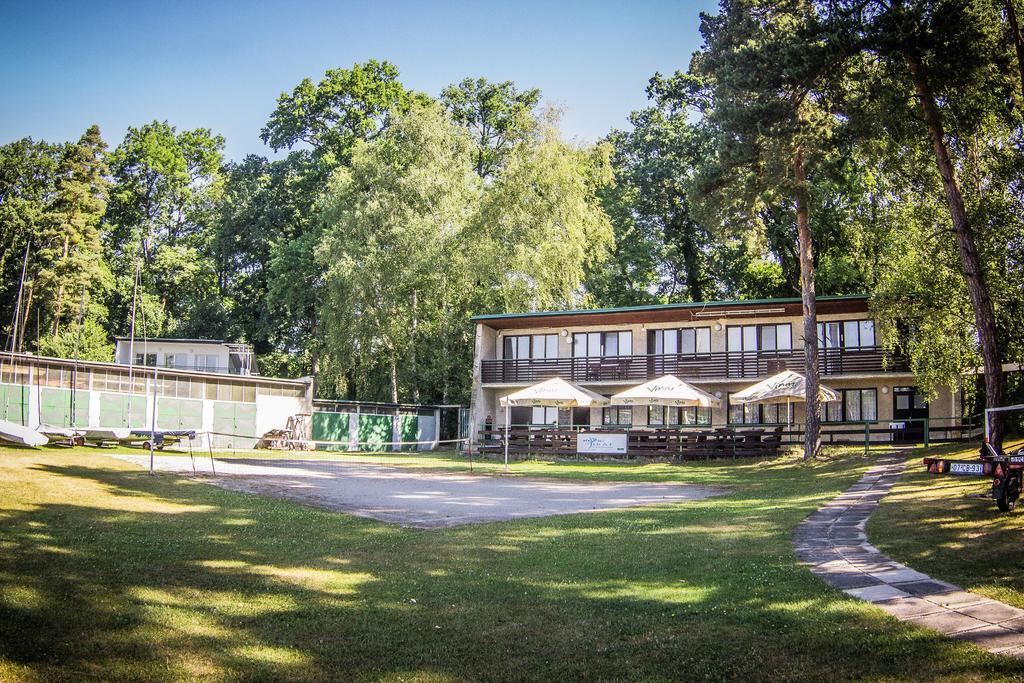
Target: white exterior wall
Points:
x,y
162,349
272,412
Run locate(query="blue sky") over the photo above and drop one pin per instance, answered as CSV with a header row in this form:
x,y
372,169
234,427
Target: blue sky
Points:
x,y
222,64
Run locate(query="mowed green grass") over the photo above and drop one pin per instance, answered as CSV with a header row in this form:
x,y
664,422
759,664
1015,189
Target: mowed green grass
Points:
x,y
949,527
109,573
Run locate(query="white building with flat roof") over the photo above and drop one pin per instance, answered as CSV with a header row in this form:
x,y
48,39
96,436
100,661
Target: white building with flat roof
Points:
x,y
196,355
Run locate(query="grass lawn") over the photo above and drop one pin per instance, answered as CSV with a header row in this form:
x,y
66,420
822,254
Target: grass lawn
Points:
x,y
949,527
107,572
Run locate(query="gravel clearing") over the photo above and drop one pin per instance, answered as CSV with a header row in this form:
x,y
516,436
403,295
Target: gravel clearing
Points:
x,y
419,498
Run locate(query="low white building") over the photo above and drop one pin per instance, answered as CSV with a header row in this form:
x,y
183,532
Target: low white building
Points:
x,y
196,355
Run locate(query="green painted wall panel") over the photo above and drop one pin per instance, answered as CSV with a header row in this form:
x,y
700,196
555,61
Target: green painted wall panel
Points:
x,y
179,413
330,427
235,424
408,427
374,432
14,403
122,410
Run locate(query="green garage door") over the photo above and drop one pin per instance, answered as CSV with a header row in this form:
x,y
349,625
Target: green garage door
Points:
x,y
116,411
234,425
56,405
331,427
14,403
177,413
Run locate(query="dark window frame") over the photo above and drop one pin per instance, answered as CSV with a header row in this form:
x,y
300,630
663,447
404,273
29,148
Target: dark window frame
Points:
x,y
507,343
759,327
843,417
603,343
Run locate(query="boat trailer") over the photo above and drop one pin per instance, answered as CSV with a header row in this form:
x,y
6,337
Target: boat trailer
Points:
x,y
1006,469
1006,472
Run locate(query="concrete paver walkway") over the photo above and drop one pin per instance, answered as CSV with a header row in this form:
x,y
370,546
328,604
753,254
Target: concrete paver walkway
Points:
x,y
832,542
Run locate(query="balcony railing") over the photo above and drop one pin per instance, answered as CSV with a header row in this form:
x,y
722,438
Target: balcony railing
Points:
x,y
704,366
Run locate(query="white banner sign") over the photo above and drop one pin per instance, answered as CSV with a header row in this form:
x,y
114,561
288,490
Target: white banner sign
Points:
x,y
601,443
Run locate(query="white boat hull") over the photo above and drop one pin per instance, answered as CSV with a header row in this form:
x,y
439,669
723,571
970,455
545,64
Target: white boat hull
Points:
x,y
15,433
107,434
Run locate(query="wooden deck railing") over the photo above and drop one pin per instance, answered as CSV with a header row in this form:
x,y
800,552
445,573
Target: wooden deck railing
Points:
x,y
717,365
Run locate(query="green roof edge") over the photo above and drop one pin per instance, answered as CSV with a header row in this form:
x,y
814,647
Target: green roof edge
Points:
x,y
662,307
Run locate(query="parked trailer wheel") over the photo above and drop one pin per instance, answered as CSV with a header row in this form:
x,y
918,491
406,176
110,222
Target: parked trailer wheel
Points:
x,y
1007,499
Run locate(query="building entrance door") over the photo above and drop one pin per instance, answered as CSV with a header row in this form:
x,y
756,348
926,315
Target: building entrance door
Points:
x,y
909,407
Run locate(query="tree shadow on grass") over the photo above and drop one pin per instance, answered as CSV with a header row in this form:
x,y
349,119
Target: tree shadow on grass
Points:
x,y
209,583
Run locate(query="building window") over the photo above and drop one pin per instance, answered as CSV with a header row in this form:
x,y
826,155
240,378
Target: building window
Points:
x,y
855,405
658,416
690,341
777,413
760,337
598,344
617,416
544,415
847,334
743,413
145,359
521,347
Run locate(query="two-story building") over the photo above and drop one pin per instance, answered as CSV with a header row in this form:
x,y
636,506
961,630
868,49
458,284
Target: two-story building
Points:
x,y
198,355
720,346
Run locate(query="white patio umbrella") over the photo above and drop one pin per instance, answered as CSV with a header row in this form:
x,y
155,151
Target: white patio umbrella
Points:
x,y
668,390
782,388
554,392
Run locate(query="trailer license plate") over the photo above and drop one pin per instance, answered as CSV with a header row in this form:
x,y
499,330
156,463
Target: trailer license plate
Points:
x,y
966,468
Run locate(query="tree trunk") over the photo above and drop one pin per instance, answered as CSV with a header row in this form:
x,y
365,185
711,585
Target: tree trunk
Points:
x,y
412,352
812,431
55,329
1018,42
970,262
394,380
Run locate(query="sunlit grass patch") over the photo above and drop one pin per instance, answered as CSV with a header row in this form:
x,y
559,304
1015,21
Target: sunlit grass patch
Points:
x,y
698,590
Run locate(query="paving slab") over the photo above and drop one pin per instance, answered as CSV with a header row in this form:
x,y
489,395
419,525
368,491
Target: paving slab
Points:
x,y
906,607
929,587
993,638
948,622
992,611
900,576
878,593
955,599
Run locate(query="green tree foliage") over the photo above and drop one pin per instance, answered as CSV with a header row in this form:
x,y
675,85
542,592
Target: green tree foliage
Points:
x,y
663,253
759,82
168,186
935,79
498,116
86,339
266,205
28,178
400,281
345,107
53,197
393,220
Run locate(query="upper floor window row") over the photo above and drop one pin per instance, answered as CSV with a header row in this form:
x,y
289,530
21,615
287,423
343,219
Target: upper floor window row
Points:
x,y
530,346
772,337
846,334
687,340
596,344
